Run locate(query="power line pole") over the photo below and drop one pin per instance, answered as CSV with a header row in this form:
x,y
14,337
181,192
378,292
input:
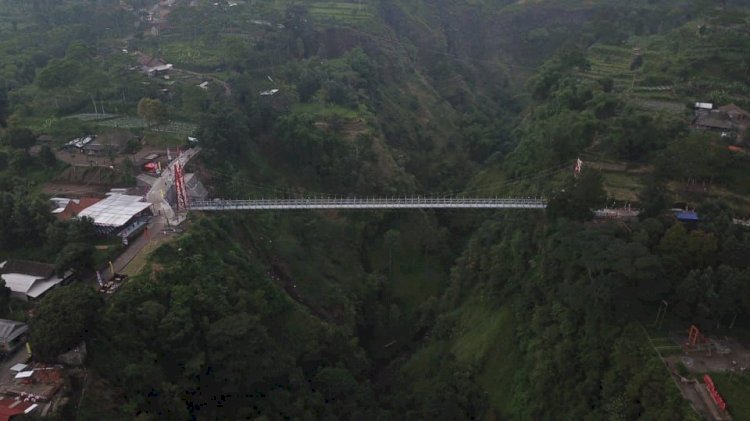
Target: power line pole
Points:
x,y
664,305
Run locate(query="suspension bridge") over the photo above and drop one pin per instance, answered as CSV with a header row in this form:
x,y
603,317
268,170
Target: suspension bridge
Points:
x,y
448,200
367,203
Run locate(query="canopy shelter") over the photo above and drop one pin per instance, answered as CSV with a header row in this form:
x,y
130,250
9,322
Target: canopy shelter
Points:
x,y
115,211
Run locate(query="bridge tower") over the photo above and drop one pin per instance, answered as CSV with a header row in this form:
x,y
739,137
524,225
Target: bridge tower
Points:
x,y
180,188
578,167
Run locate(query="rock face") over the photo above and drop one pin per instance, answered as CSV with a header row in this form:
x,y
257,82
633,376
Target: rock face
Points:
x,y
75,356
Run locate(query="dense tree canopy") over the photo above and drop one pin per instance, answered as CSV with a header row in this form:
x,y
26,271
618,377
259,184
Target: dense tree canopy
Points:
x,y
387,315
152,110
64,318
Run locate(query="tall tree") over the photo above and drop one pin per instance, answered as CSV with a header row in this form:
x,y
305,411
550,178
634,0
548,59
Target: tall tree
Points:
x,y
76,256
579,196
64,318
19,137
153,111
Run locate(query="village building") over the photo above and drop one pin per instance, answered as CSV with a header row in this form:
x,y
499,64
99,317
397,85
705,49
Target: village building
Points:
x,y
12,408
624,213
13,334
110,143
151,66
736,114
117,212
66,209
29,280
78,143
730,120
686,216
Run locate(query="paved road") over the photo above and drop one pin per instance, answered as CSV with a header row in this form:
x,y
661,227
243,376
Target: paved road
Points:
x,y
153,231
164,216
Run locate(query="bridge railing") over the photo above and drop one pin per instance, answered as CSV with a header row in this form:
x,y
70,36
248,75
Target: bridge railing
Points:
x,y
369,203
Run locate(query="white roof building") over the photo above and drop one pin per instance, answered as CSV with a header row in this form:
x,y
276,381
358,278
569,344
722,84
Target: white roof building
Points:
x,y
60,203
116,210
29,280
12,335
80,142
269,92
162,68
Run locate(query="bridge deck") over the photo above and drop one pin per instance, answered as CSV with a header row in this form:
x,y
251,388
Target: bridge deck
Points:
x,y
367,203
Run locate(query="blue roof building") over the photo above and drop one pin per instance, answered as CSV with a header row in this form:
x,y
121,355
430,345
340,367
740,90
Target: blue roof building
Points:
x,y
687,216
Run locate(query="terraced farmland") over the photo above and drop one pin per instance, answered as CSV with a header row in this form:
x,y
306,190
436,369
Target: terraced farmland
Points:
x,y
129,122
341,12
642,86
611,62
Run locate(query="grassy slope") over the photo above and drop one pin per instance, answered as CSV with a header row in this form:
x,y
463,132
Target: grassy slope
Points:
x,y
736,393
487,341
416,276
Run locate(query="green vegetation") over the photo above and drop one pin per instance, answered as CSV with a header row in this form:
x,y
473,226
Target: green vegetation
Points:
x,y
152,111
734,389
388,315
64,318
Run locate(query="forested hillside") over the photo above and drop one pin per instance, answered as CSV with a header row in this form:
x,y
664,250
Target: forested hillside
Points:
x,y
396,315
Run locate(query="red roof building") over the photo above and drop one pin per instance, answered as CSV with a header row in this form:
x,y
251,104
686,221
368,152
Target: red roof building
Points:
x,y
10,407
74,207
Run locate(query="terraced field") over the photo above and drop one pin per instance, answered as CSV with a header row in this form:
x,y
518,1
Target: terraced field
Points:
x,y
187,54
11,21
610,62
129,122
614,62
341,12
643,85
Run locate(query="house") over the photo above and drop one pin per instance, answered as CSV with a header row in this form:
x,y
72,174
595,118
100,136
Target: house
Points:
x,y
624,213
12,335
730,120
736,114
29,280
95,148
14,408
148,61
110,143
66,209
79,142
687,216
714,120
270,92
151,66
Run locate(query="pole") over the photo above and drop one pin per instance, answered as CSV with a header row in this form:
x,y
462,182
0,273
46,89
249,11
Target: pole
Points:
x,y
666,307
658,313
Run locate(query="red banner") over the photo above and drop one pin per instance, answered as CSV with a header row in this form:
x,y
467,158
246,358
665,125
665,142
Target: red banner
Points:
x,y
711,387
